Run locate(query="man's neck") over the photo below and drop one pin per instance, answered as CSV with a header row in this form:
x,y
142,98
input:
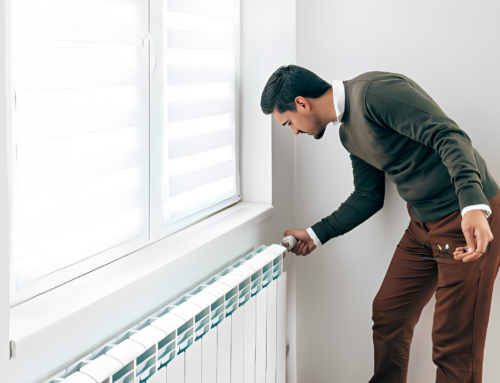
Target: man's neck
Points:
x,y
327,106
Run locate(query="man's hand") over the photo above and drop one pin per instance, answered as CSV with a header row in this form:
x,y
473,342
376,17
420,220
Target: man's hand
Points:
x,y
304,245
477,233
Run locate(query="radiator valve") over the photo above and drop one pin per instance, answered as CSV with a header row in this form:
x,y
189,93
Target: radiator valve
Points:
x,y
289,242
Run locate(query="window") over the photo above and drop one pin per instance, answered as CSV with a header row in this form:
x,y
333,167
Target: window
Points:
x,y
124,128
199,67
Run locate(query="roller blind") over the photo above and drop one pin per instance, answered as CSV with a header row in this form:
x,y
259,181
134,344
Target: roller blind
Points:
x,y
81,125
99,172
199,145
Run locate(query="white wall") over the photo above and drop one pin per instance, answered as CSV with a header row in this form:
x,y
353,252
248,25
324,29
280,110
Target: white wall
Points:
x,y
450,49
263,23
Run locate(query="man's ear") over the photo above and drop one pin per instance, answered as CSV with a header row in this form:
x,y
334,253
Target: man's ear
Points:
x,y
302,104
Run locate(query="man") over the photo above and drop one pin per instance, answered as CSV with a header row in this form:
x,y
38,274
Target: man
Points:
x,y
390,125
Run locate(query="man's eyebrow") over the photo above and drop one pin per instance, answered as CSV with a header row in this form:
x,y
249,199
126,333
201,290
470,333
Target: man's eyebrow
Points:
x,y
284,124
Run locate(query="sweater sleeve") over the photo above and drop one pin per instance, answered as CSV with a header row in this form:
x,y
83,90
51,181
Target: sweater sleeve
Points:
x,y
366,199
402,105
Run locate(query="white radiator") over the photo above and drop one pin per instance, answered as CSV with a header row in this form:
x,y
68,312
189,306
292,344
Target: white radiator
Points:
x,y
229,329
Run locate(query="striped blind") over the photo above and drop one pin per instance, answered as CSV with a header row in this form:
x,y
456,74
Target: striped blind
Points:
x,y
81,128
87,189
199,151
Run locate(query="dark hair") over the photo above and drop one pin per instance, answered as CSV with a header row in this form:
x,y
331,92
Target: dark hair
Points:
x,y
287,83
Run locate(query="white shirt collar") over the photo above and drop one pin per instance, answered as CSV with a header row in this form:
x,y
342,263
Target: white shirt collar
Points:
x,y
338,99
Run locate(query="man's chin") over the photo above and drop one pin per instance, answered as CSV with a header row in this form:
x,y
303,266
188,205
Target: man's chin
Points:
x,y
320,134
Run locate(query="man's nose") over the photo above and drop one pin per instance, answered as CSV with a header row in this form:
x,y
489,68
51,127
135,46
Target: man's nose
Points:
x,y
294,130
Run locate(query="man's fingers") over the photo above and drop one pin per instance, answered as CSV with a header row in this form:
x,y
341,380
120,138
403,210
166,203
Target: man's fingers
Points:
x,y
302,248
467,256
482,243
469,238
295,249
304,244
473,257
489,234
299,246
305,250
462,253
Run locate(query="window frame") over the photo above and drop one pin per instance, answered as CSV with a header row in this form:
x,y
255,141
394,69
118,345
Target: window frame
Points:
x,y
156,231
158,13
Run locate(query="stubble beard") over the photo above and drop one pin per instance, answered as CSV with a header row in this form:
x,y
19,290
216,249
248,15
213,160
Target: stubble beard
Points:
x,y
320,133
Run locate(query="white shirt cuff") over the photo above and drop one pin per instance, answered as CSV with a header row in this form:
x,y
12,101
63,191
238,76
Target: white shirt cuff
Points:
x,y
483,207
314,237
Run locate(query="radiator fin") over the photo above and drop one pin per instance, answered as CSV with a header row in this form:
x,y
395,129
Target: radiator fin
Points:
x,y
229,329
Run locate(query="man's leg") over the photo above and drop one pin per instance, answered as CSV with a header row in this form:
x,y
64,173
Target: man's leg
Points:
x,y
463,301
408,286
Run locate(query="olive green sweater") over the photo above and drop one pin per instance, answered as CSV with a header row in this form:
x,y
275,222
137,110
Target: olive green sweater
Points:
x,y
391,126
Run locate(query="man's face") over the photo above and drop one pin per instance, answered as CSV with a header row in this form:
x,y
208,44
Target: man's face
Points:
x,y
302,121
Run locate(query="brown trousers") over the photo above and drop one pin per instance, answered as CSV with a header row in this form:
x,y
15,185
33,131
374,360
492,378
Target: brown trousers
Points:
x,y
463,299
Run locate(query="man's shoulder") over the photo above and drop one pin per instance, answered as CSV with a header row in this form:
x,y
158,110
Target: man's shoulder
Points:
x,y
376,76
374,83
377,81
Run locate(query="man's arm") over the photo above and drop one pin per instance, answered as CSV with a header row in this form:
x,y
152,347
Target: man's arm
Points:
x,y
365,201
402,105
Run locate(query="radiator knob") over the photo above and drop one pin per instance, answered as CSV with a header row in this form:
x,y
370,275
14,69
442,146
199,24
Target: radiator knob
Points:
x,y
289,242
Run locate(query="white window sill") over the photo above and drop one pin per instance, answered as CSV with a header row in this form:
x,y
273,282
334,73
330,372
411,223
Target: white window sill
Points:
x,y
36,318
